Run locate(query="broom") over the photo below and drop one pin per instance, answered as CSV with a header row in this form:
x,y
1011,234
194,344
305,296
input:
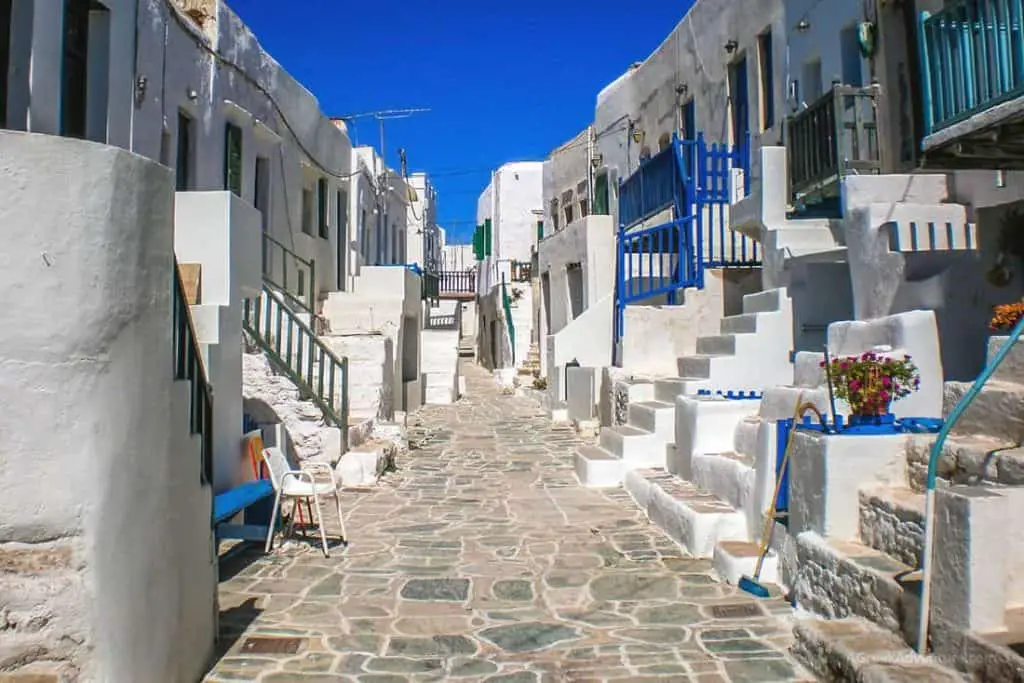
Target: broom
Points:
x,y
752,584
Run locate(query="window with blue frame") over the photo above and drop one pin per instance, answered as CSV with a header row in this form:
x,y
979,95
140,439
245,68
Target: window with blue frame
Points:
x,y
767,68
738,95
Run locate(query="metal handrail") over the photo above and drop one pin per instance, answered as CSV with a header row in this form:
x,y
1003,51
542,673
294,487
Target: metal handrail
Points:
x,y
297,352
189,365
305,295
933,470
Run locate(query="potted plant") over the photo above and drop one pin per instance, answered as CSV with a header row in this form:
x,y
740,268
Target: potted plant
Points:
x,y
870,382
1005,316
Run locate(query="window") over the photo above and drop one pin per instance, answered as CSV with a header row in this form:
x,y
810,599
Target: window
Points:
x,y
233,159
740,109
342,216
364,246
581,192
554,214
183,157
766,65
689,121
308,209
322,208
567,206
74,77
601,194
5,56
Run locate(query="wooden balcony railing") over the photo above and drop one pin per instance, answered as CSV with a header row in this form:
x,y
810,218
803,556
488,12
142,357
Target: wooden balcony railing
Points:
x,y
837,135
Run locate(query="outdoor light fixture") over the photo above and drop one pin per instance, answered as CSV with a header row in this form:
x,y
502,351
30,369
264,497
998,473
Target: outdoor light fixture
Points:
x,y
803,25
682,89
192,94
731,46
596,160
638,135
141,83
866,39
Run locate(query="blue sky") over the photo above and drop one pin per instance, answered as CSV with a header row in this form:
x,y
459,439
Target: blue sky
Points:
x,y
504,82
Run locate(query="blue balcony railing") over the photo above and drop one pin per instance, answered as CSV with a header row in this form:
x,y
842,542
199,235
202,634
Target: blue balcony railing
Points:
x,y
972,59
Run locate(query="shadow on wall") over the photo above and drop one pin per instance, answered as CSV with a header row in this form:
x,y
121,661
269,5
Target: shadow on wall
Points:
x,y
386,409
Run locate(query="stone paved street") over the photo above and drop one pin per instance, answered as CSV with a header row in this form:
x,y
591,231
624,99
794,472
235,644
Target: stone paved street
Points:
x,y
482,559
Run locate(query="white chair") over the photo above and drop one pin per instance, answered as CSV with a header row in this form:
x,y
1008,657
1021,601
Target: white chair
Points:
x,y
301,485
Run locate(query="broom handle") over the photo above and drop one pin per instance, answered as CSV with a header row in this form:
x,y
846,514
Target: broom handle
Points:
x,y
769,518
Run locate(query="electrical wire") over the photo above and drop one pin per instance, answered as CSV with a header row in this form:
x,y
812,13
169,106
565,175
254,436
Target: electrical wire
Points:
x,y
183,23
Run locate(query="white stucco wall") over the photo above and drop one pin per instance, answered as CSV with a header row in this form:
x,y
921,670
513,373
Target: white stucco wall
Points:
x,y
281,121
589,242
567,170
694,54
101,474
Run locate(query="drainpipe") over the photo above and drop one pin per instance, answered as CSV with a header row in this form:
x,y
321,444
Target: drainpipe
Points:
x,y
590,167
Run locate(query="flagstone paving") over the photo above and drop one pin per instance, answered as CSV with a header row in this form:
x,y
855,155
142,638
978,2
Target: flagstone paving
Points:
x,y
482,559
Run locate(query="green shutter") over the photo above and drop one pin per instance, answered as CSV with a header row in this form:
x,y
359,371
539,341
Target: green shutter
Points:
x,y
487,237
540,230
478,243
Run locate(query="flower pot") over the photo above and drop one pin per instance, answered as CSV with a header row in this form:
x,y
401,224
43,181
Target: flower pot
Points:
x,y
888,420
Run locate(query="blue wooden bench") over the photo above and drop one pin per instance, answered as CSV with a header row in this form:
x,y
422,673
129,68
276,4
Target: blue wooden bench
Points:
x,y
242,498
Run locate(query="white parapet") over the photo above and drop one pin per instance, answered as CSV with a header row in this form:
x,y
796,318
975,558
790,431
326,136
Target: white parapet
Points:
x,y
826,473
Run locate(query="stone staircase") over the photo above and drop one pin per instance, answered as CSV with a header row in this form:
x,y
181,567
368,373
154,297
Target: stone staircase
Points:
x,y
872,582
751,352
531,364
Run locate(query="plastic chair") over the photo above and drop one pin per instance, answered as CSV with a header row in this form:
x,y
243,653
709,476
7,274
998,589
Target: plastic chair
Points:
x,y
301,485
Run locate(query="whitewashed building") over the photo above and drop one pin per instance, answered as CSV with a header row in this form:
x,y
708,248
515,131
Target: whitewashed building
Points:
x,y
508,212
198,157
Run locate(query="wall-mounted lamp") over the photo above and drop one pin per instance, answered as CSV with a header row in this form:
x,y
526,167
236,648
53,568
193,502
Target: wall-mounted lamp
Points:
x,y
682,89
597,160
141,83
803,26
192,94
638,135
731,46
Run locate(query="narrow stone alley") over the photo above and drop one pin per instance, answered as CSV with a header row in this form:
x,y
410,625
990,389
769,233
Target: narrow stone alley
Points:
x,y
482,559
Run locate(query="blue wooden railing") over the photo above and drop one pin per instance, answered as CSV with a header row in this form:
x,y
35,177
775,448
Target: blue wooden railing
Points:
x,y
972,58
690,183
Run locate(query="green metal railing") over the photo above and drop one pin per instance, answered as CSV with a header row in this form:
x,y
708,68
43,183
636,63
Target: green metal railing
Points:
x,y
299,354
188,365
506,304
288,272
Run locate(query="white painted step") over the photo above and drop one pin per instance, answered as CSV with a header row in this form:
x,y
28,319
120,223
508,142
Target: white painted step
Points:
x,y
735,559
768,301
694,519
657,417
597,468
697,366
638,448
743,323
719,344
668,389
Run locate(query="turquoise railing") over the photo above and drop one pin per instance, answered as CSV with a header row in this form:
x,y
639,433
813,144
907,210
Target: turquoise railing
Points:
x,y
299,354
972,58
933,472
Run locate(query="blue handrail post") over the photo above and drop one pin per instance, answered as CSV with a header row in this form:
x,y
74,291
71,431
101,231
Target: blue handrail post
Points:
x,y
926,72
933,469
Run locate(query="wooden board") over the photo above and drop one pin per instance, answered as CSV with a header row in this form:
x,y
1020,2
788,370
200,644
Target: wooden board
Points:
x,y
191,278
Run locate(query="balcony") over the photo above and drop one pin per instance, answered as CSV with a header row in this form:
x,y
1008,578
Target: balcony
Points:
x,y
972,80
835,136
